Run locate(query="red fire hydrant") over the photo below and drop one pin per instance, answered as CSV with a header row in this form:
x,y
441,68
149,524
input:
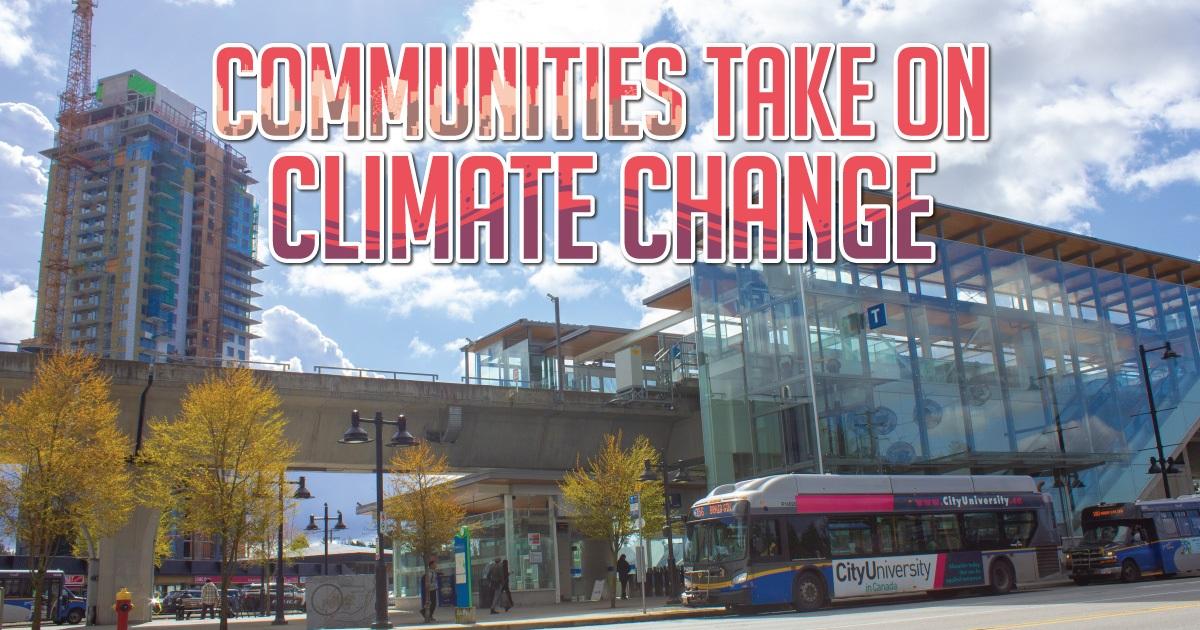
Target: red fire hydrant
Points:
x,y
123,606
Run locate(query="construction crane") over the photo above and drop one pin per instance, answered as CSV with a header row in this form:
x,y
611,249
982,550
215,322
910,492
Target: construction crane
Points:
x,y
66,169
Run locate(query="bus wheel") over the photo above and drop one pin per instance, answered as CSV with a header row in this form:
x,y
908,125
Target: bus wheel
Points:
x,y
1004,579
1130,572
75,616
809,592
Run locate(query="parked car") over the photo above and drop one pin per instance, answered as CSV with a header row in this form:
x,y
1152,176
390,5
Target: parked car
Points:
x,y
293,597
189,601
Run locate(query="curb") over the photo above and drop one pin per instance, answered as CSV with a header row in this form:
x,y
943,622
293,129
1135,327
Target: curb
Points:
x,y
574,622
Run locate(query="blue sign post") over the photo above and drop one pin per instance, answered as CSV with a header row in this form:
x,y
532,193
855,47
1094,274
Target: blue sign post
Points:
x,y
876,316
464,608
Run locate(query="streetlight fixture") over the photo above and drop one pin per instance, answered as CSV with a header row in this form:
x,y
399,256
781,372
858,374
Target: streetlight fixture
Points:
x,y
358,435
1162,464
301,493
558,351
312,527
662,472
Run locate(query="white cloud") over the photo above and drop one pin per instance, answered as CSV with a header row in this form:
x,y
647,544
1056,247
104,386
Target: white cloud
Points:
x,y
16,43
455,291
564,281
1181,169
215,3
556,21
18,304
455,345
420,349
1076,89
31,112
288,337
24,173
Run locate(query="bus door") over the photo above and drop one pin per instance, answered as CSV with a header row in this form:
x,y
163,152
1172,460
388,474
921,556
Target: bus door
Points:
x,y
1173,535
770,574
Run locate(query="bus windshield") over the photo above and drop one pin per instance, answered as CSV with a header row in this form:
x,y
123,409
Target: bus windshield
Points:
x,y
1105,534
716,540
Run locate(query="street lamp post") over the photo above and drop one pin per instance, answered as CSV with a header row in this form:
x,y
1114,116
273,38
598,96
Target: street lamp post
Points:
x,y
1163,465
651,473
312,527
357,435
301,493
558,351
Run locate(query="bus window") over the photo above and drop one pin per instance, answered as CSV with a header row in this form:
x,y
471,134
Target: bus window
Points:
x,y
764,539
910,537
1165,523
806,539
1183,524
941,532
1018,527
982,530
1194,517
851,537
885,529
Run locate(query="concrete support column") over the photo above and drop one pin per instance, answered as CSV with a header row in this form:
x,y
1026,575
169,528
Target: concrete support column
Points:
x,y
510,546
127,561
552,516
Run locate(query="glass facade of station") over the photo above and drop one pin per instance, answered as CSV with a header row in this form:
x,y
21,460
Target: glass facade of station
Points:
x,y
986,361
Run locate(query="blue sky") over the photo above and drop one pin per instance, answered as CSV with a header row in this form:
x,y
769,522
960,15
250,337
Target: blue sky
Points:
x,y
1095,107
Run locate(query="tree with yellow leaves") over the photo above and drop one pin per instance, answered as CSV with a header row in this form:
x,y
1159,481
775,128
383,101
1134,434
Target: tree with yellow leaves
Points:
x,y
67,477
599,492
423,513
216,468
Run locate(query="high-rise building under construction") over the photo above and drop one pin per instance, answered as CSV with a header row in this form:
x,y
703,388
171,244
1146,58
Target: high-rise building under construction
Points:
x,y
158,232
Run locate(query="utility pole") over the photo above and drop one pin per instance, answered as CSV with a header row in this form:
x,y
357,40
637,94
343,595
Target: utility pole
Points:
x,y
558,346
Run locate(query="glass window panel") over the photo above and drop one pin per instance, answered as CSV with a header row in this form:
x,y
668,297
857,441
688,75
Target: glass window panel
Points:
x,y
1018,527
806,538
764,539
980,381
940,532
851,536
941,409
1008,279
981,530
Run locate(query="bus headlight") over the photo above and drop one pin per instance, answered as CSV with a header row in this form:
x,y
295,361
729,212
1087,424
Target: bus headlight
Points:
x,y
740,578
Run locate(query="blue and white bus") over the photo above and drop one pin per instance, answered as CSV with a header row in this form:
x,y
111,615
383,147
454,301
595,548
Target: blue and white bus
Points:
x,y
808,540
1134,540
59,604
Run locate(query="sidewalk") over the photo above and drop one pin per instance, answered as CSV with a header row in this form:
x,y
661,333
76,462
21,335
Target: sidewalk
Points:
x,y
565,615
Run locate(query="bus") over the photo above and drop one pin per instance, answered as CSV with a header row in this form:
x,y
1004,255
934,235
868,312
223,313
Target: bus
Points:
x,y
1130,541
809,540
64,606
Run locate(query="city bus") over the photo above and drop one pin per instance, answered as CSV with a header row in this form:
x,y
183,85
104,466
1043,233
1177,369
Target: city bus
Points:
x,y
809,540
60,605
1134,540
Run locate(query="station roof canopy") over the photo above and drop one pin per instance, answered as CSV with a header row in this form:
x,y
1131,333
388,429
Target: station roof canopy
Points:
x,y
996,232
1002,233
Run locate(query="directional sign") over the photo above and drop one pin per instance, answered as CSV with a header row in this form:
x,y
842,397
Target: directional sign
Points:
x,y
877,316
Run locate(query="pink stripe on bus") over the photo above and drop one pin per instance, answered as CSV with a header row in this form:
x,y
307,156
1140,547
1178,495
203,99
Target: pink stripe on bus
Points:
x,y
825,503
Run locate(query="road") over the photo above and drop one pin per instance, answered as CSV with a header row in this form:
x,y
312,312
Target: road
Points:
x,y
1157,605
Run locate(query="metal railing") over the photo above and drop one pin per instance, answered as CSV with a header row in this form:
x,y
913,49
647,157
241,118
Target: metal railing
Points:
x,y
162,357
367,372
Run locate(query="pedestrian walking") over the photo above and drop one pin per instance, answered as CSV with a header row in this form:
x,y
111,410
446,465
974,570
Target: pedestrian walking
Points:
x,y
508,602
209,597
429,585
623,569
495,578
